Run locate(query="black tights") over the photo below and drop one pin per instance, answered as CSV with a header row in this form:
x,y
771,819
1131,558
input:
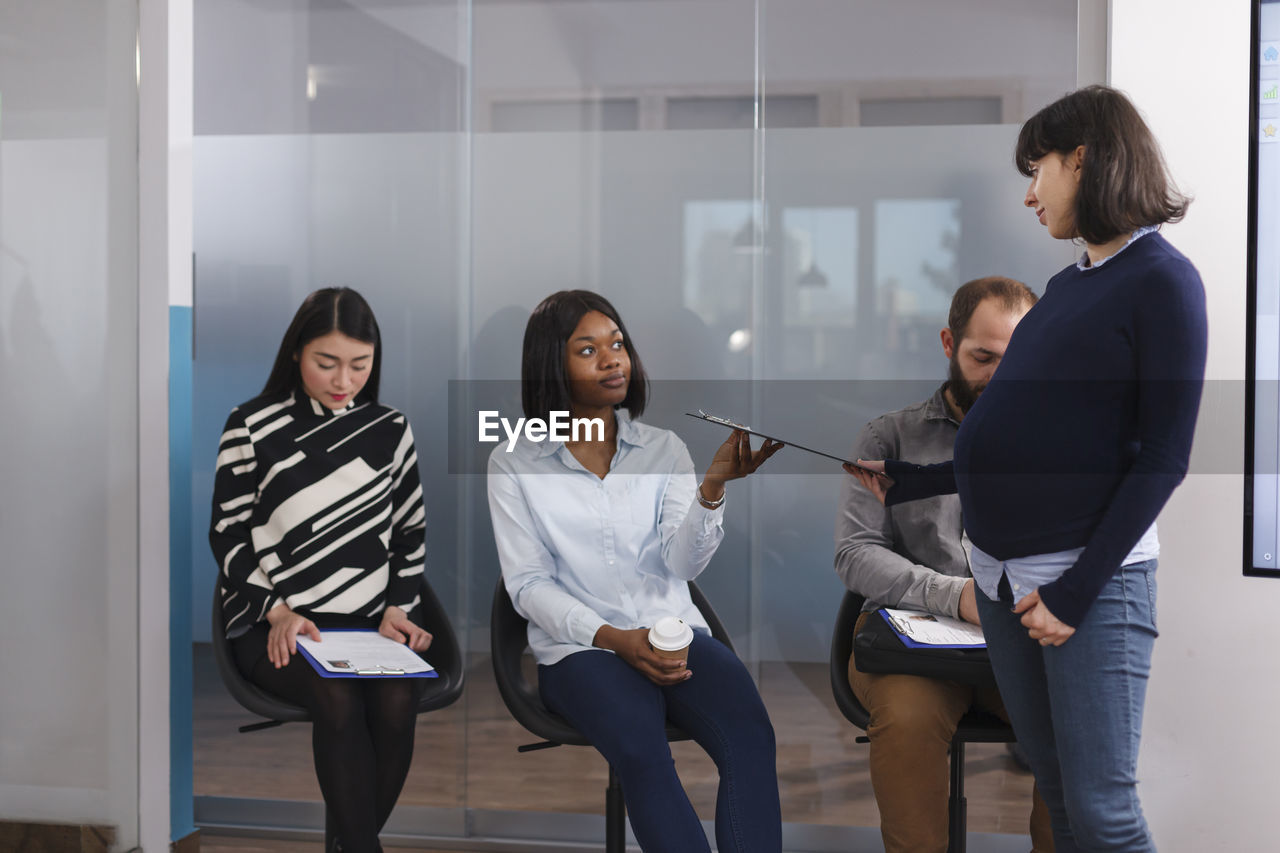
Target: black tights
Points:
x,y
361,737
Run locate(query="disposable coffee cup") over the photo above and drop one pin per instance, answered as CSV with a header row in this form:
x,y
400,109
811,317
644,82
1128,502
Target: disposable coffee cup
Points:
x,y
670,638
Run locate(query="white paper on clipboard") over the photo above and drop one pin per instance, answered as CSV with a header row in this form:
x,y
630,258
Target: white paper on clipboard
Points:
x,y
363,653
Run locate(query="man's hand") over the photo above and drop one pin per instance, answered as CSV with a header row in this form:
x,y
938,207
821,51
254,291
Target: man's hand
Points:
x,y
397,625
282,640
969,603
633,647
872,477
1040,623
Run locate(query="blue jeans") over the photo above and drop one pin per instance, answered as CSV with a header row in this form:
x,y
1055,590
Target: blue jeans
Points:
x,y
1077,709
624,716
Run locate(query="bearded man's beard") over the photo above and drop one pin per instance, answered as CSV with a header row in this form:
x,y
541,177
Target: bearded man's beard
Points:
x,y
962,391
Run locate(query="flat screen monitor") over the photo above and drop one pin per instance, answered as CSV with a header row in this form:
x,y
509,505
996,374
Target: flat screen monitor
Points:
x,y
1262,421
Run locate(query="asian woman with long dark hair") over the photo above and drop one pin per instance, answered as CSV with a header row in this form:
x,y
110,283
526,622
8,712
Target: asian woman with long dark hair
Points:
x,y
318,524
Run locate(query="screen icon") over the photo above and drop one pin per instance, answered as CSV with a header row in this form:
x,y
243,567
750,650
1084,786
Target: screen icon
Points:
x,y
1269,91
1269,132
1270,53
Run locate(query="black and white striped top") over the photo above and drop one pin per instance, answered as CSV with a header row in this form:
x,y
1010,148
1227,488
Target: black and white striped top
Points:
x,y
320,509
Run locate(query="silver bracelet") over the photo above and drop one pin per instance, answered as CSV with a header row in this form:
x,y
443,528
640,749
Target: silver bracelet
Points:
x,y
709,504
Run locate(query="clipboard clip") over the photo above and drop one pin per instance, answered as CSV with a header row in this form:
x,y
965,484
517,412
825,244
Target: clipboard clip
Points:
x,y
381,670
897,625
724,421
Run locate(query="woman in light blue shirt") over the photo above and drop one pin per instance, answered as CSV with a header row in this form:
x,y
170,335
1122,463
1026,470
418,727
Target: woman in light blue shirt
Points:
x,y
598,538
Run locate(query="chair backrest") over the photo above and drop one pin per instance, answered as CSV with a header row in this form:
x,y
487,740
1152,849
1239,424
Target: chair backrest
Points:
x,y
509,637
708,613
838,664
445,655
251,697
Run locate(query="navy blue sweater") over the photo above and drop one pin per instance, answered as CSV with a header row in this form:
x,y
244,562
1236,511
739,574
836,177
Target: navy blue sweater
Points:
x,y
1085,429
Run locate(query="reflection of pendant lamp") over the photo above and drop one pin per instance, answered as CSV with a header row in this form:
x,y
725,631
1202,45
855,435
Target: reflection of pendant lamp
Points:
x,y
812,277
744,240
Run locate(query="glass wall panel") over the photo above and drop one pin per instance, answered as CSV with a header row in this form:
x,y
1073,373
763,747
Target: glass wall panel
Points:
x,y
69,369
779,196
626,213
328,152
905,191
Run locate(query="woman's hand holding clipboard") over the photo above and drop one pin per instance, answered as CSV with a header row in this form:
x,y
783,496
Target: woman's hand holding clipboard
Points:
x,y
870,474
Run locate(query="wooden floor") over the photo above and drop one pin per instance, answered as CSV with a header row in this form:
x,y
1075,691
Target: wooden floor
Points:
x,y
226,844
466,757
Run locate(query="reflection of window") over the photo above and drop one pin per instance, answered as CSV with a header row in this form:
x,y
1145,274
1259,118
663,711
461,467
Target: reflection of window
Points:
x,y
721,241
916,265
581,114
721,113
909,112
820,265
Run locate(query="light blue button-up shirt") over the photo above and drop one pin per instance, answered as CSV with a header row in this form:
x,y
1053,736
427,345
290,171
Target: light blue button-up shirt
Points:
x,y
578,552
1027,574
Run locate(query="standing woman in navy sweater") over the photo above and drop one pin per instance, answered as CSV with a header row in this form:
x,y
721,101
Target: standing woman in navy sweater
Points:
x,y
318,524
1068,456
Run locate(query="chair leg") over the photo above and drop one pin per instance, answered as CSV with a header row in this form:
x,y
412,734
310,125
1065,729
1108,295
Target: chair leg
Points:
x,y
956,807
330,834
615,816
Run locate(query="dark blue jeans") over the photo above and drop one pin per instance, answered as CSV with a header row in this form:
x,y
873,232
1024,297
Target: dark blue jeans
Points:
x,y
624,716
1077,710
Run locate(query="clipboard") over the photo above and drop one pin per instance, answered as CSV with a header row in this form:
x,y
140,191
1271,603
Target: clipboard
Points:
x,y
703,416
328,666
880,650
912,643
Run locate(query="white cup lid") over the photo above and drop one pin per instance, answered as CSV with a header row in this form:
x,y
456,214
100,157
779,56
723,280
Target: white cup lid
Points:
x,y
670,634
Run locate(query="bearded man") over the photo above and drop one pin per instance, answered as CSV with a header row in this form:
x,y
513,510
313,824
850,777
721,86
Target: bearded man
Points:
x,y
915,556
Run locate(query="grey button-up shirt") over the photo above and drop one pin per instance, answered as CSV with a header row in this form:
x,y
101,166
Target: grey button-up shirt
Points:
x,y
915,554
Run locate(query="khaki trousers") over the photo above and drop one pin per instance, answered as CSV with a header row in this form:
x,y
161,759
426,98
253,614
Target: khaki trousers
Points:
x,y
912,722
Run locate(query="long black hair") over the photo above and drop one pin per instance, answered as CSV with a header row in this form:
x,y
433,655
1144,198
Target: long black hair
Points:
x,y
544,382
1124,184
332,309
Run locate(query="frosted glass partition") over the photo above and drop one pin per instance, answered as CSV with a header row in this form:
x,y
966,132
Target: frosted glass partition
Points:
x,y
277,217
653,221
252,240
607,212
790,267
69,370
933,210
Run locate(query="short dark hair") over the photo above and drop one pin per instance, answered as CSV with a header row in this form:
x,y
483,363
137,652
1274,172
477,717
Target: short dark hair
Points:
x,y
1012,294
1124,183
544,383
331,309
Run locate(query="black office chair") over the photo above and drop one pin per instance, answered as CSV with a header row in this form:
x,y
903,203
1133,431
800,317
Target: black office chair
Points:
x,y
509,633
974,727
444,654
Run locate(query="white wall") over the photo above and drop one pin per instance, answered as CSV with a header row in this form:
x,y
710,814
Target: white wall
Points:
x,y
562,44
83,348
1209,754
69,484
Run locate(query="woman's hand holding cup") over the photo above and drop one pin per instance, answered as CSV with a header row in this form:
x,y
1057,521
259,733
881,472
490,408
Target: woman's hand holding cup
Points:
x,y
633,647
